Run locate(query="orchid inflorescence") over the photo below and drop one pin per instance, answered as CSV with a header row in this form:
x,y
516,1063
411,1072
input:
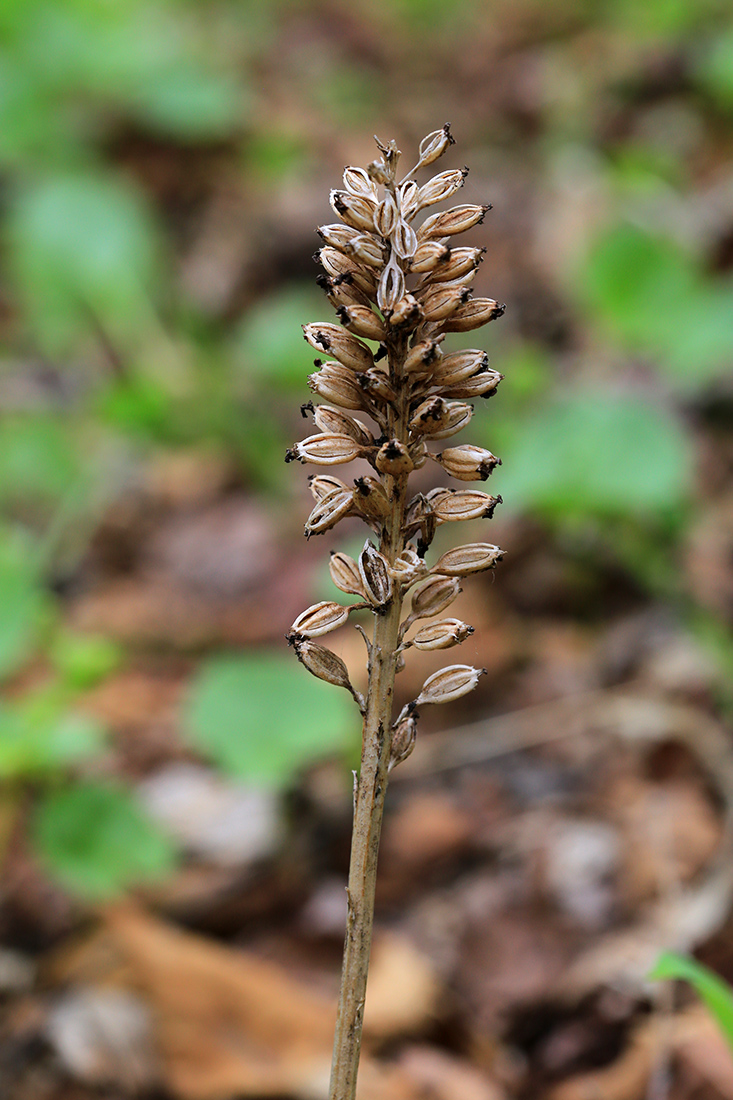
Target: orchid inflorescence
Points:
x,y
403,287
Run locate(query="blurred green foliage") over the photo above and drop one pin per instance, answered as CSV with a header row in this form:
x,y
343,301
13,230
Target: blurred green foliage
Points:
x,y
261,718
717,994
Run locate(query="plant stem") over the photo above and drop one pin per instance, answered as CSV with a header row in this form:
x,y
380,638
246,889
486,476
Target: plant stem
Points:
x,y
372,785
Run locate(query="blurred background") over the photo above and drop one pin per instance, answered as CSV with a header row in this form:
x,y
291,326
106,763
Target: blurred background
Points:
x,y
176,791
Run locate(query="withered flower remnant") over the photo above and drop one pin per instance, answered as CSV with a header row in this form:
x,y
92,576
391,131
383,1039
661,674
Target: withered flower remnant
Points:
x,y
402,284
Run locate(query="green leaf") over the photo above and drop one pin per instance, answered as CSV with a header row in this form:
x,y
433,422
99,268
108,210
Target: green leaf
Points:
x,y
596,453
716,993
96,840
38,737
82,660
261,718
37,459
24,602
715,70
83,250
270,344
653,298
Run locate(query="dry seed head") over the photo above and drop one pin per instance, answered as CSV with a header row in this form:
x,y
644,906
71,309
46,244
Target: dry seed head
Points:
x,y
471,558
442,635
467,463
319,619
448,684
375,260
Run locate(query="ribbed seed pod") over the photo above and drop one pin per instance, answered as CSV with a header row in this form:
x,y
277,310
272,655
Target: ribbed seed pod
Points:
x,y
430,256
362,321
326,449
403,740
338,384
434,145
471,558
325,665
450,222
423,355
332,340
356,211
345,574
393,458
442,635
449,684
440,302
319,619
460,262
337,236
437,418
370,499
474,314
434,596
329,419
441,187
367,249
375,577
483,384
337,265
357,182
322,485
328,511
468,463
463,504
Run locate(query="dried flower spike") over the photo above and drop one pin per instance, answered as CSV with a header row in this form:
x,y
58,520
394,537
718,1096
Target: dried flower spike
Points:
x,y
403,286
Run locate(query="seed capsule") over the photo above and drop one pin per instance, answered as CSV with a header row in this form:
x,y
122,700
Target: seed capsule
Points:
x,y
404,239
335,421
407,314
464,504
332,340
356,211
337,265
342,292
407,199
337,383
322,485
441,187
467,463
370,498
442,635
423,355
393,458
375,576
434,596
448,684
460,365
443,301
376,386
337,235
366,248
328,511
409,567
450,222
429,256
386,216
483,384
474,314
362,321
436,418
345,574
319,619
403,740
471,558
326,449
324,664
391,286
434,145
461,262
357,182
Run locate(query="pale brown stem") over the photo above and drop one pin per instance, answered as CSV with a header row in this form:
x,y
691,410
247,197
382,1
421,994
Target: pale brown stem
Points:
x,y
372,786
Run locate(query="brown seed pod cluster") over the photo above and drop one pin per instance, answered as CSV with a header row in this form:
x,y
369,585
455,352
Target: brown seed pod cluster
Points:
x,y
398,284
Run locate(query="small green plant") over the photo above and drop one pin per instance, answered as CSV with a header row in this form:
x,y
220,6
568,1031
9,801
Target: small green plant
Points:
x,y
717,994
